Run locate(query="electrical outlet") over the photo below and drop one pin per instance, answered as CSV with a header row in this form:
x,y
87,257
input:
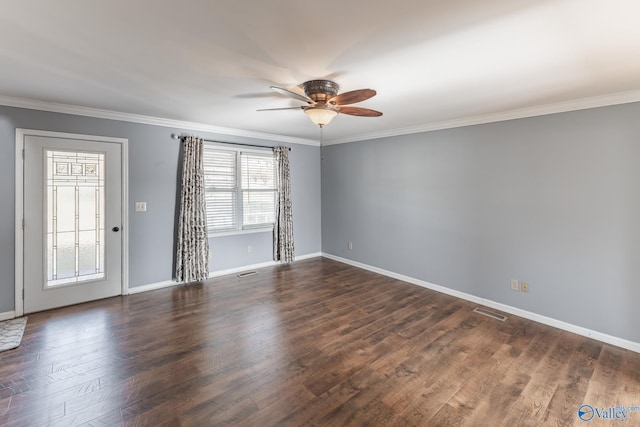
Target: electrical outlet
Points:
x,y
514,285
249,249
525,286
350,245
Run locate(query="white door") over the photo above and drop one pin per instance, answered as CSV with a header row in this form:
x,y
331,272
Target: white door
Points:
x,y
72,219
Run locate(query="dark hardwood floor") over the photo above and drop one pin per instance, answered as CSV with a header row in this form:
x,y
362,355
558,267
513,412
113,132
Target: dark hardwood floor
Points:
x,y
317,343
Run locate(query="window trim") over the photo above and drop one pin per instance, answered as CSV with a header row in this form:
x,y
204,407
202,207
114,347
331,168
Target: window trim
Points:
x,y
261,228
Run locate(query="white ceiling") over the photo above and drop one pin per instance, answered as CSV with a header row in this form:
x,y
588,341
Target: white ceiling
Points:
x,y
433,63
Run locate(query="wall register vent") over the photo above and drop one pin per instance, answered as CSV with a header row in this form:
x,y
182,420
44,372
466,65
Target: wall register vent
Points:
x,y
496,316
247,273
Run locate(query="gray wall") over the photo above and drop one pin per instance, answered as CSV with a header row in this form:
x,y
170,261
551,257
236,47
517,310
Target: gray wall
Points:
x,y
554,200
153,164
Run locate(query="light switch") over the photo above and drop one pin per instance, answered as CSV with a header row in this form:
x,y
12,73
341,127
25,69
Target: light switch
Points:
x,y
141,206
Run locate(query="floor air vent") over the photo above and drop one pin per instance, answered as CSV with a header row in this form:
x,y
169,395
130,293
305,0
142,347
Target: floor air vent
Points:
x,y
496,316
247,274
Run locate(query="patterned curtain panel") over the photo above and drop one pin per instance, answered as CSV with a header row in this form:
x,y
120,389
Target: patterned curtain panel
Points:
x,y
192,251
283,248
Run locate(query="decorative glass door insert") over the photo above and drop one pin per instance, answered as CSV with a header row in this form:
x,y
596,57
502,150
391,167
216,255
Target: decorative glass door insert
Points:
x,y
75,211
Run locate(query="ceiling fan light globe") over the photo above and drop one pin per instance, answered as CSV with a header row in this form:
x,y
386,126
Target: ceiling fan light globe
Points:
x,y
321,116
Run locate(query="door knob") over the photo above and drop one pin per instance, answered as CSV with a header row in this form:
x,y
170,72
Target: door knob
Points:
x,y
115,229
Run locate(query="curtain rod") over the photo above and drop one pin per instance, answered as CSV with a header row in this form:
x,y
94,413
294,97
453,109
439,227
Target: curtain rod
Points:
x,y
181,138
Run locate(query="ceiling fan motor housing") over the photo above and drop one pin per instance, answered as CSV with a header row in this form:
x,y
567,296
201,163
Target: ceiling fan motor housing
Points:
x,y
320,91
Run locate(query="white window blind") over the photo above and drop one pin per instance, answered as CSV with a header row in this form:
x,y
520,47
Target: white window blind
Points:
x,y
258,189
240,190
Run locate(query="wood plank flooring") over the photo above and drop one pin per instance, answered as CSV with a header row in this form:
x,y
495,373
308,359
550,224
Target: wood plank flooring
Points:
x,y
316,343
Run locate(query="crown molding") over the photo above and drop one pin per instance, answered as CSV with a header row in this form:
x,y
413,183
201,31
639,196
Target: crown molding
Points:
x,y
541,110
147,120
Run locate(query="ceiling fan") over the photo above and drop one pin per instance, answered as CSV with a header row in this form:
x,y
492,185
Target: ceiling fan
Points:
x,y
324,103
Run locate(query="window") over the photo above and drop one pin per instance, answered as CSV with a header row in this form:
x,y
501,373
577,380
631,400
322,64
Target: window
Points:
x,y
240,189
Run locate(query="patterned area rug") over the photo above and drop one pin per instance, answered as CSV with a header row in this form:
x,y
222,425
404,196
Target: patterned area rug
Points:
x,y
11,333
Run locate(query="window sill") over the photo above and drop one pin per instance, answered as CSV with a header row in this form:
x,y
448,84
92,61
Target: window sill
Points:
x,y
247,231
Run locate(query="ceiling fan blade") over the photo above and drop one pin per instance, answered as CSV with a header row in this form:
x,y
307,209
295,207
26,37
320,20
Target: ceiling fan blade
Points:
x,y
352,97
285,108
362,112
291,94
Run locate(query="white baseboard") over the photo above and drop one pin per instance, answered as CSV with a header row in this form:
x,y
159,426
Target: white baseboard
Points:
x,y
260,265
7,315
169,283
609,339
309,256
152,287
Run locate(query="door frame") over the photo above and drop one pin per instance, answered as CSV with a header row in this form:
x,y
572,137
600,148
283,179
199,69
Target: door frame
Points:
x,y
21,135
